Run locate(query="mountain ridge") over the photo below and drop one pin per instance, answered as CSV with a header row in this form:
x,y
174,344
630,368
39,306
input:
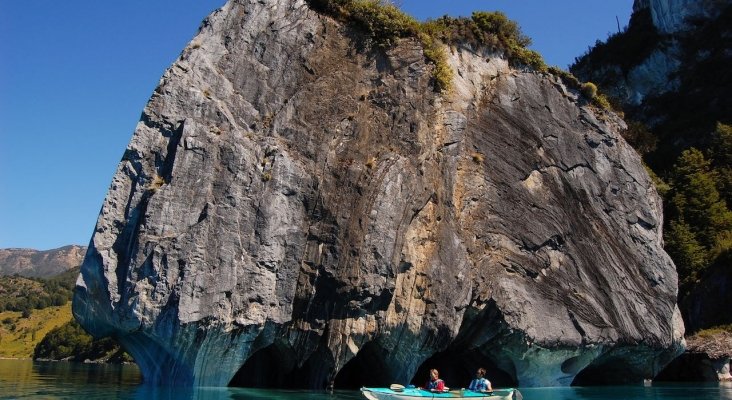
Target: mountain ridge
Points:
x,y
40,263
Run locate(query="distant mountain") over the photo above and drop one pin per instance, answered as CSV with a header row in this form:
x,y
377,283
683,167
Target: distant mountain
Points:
x,y
41,264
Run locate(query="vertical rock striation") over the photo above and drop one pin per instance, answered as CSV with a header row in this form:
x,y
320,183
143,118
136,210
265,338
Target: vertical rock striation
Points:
x,y
297,203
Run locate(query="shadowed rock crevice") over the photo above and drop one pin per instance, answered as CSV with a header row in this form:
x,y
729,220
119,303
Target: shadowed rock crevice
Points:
x,y
689,367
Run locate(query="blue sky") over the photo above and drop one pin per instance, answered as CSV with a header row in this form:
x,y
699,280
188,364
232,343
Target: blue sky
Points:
x,y
75,75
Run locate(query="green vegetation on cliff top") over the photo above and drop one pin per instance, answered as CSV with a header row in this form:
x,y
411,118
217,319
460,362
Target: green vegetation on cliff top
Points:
x,y
384,24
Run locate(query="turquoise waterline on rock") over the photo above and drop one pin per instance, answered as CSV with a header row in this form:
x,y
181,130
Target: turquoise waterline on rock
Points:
x,y
52,380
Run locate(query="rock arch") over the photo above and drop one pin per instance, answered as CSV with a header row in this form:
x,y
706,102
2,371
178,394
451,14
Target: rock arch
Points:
x,y
273,366
367,368
457,368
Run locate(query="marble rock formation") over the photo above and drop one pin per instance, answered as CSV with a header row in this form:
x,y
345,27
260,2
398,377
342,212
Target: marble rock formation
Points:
x,y
294,208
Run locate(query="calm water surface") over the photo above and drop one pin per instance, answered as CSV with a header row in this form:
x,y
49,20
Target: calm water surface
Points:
x,y
25,379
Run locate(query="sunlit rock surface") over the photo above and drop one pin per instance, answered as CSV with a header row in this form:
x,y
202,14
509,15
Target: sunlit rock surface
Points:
x,y
294,209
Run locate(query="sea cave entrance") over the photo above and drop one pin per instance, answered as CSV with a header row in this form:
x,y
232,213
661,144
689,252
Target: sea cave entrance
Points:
x,y
457,369
621,366
272,367
368,368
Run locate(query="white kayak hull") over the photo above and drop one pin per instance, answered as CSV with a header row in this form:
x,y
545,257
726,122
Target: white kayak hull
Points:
x,y
418,394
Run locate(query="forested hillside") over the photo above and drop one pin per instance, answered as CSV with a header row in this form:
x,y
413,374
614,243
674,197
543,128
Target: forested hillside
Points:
x,y
19,334
36,321
25,294
70,342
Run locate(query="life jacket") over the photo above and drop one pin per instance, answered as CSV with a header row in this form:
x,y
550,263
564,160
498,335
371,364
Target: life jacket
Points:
x,y
437,384
478,384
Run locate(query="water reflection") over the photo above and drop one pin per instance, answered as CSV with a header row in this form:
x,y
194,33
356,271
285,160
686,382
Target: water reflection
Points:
x,y
721,391
59,380
167,393
25,378
29,379
88,374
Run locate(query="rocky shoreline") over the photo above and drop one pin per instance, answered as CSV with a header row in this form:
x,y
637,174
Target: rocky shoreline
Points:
x,y
706,359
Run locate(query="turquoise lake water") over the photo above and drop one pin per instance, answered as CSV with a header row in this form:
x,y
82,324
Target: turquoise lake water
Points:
x,y
25,379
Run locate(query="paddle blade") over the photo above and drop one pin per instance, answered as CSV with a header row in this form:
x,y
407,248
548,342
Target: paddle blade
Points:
x,y
396,387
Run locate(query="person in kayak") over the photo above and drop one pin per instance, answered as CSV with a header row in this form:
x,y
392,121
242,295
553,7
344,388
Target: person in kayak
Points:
x,y
435,384
480,384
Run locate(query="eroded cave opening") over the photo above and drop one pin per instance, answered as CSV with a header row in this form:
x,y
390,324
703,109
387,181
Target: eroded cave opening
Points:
x,y
366,369
595,375
613,369
457,369
272,367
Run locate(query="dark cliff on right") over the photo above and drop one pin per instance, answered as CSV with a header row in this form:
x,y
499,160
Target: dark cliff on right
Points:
x,y
669,72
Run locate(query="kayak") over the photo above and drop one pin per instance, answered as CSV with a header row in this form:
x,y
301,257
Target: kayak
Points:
x,y
415,394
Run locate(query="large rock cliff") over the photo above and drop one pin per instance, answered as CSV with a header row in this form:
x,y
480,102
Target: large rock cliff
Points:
x,y
297,208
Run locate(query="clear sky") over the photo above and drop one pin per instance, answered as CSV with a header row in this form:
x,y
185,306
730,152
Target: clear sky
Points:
x,y
75,75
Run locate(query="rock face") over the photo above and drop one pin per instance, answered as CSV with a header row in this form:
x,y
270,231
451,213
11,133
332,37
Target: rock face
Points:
x,y
44,264
672,16
647,64
293,209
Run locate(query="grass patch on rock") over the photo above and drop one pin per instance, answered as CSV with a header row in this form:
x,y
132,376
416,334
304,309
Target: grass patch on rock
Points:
x,y
384,24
